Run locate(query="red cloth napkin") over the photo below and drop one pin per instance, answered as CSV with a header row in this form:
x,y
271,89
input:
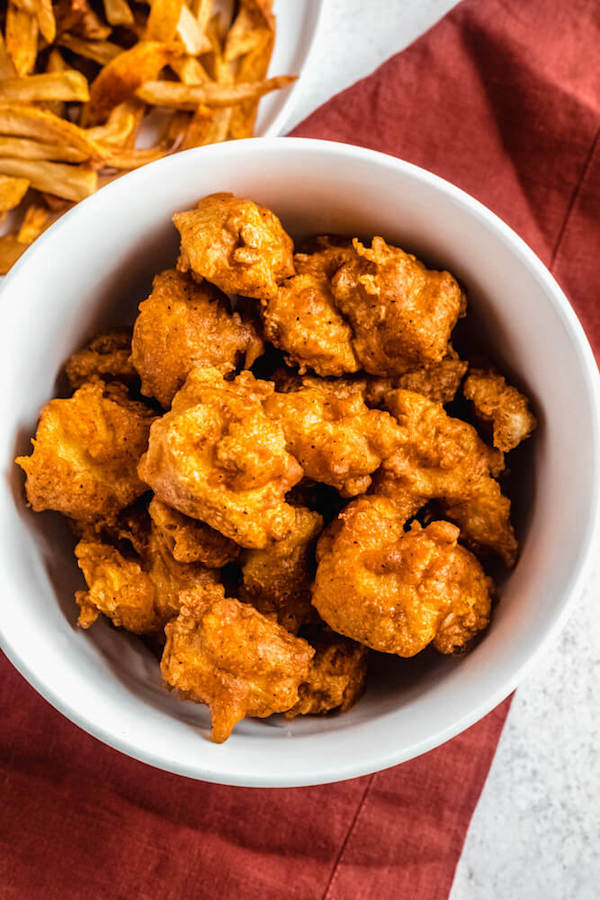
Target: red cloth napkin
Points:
x,y
502,98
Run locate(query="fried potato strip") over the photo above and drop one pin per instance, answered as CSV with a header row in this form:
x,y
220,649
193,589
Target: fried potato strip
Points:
x,y
70,182
12,191
183,96
69,85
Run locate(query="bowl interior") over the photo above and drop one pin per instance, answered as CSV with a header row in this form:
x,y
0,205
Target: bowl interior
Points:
x,y
92,269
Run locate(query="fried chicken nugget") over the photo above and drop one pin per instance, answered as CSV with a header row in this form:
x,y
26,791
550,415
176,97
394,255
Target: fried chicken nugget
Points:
x,y
438,381
303,321
190,540
336,676
226,654
107,356
86,451
327,255
443,458
137,592
333,435
182,325
401,313
277,581
217,456
398,591
235,244
504,406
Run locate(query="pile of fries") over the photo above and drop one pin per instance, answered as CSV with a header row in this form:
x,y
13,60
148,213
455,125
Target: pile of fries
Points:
x,y
81,81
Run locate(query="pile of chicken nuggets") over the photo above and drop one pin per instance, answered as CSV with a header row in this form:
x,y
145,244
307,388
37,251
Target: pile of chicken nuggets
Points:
x,y
273,482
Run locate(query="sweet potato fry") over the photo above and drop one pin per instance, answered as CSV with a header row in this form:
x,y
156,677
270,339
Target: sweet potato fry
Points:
x,y
70,85
177,125
7,67
189,70
202,9
23,148
132,158
12,191
70,182
10,250
254,65
36,219
190,34
117,12
218,129
46,21
182,96
78,17
199,130
21,36
126,73
244,35
101,52
263,8
56,63
30,122
163,20
121,126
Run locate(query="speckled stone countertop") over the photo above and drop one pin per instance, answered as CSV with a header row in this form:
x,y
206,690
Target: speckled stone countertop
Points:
x,y
535,834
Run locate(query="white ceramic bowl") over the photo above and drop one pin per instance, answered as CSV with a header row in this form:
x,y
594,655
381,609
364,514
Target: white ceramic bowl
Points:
x,y
93,267
298,25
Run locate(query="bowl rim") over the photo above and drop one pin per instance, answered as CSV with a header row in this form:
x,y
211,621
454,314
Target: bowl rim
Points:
x,y
379,760
316,12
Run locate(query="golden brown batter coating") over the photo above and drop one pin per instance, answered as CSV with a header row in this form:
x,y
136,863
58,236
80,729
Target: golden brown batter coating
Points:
x,y
235,244
336,676
182,325
107,356
443,458
398,591
333,435
504,406
302,320
401,313
86,451
226,654
190,540
217,456
137,592
277,581
438,381
328,255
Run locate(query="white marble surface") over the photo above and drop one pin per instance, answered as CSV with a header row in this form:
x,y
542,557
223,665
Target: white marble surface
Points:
x,y
536,832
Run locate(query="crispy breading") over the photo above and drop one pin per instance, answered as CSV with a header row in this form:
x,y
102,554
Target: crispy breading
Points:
x,y
190,540
277,581
217,456
235,244
501,404
302,320
107,356
86,451
137,592
438,381
325,257
443,458
333,435
226,654
182,325
401,313
398,591
336,676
